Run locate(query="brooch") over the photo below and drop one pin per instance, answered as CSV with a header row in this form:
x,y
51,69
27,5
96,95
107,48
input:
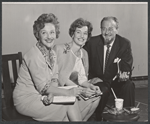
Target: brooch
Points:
x,y
67,48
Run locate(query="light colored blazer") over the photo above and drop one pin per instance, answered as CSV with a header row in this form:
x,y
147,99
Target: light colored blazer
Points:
x,y
34,72
66,61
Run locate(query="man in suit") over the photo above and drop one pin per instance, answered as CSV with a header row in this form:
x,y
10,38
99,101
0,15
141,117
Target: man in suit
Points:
x,y
106,52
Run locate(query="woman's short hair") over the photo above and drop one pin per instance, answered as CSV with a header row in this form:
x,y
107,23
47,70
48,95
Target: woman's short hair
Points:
x,y
111,18
79,23
40,23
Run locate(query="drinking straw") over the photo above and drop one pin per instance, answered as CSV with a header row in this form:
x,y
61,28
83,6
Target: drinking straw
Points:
x,y
126,110
113,93
137,105
114,77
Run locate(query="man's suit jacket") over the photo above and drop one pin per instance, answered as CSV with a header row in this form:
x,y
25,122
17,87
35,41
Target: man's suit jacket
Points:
x,y
120,49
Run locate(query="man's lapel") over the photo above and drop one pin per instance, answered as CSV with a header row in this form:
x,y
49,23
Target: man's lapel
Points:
x,y
113,52
100,51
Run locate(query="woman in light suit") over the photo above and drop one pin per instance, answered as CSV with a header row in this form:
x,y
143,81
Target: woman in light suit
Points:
x,y
37,81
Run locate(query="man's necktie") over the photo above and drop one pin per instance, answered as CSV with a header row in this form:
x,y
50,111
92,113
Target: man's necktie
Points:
x,y
107,56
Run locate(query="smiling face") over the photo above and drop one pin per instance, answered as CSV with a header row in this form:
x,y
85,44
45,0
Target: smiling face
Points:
x,y
80,36
109,30
47,35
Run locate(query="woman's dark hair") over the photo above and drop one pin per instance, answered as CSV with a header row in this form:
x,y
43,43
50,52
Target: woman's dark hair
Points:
x,y
79,23
40,23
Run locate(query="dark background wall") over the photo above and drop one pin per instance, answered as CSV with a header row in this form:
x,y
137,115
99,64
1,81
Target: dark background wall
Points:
x,y
18,19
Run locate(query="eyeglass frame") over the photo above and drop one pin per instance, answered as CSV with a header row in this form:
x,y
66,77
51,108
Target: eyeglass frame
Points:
x,y
110,29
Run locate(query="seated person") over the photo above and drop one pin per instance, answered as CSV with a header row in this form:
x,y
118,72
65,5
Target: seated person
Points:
x,y
111,56
37,81
73,65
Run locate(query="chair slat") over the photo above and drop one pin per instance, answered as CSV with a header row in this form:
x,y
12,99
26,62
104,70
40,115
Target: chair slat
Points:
x,y
9,113
10,57
14,66
20,58
8,86
6,83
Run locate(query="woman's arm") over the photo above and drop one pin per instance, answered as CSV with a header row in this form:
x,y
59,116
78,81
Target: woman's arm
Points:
x,y
70,83
56,91
40,77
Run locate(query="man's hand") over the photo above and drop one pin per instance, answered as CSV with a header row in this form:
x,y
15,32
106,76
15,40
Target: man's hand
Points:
x,y
124,76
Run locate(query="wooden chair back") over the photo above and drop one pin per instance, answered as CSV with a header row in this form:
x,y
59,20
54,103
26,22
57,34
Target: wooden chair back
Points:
x,y
9,113
7,83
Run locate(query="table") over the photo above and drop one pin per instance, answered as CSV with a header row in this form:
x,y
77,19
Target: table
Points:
x,y
124,117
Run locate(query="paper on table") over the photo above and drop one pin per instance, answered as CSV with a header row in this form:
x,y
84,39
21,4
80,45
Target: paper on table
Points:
x,y
65,99
68,87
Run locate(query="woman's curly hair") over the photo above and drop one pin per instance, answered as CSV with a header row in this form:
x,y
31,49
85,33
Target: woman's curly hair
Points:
x,y
40,23
79,23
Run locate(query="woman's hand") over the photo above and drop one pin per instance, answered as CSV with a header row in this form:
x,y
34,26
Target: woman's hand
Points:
x,y
88,92
75,91
96,89
54,82
95,80
48,99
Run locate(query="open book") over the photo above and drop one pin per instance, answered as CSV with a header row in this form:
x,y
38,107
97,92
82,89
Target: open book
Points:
x,y
65,99
86,98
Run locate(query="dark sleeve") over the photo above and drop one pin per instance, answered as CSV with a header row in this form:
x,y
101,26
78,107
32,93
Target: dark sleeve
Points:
x,y
126,59
86,46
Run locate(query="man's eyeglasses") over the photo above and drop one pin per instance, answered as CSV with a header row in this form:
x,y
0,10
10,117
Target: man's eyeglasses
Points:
x,y
109,29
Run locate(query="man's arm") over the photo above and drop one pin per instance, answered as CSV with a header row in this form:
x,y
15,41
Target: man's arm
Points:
x,y
126,63
126,59
86,47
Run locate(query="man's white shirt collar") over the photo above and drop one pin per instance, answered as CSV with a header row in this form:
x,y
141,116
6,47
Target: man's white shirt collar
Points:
x,y
111,44
105,48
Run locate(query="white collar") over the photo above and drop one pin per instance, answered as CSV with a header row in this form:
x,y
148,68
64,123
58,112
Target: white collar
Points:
x,y
111,44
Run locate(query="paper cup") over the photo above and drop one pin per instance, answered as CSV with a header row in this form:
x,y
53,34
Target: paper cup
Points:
x,y
119,104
